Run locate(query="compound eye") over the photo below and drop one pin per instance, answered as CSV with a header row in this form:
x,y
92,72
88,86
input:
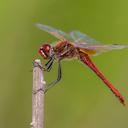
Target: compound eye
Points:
x,y
44,51
46,47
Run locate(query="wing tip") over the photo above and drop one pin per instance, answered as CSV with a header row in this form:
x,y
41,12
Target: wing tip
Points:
x,y
119,46
38,24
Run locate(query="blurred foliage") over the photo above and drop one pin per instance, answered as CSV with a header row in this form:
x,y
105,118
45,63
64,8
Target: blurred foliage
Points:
x,y
80,100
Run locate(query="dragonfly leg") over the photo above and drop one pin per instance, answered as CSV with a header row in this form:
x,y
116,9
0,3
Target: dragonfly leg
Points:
x,y
57,80
48,65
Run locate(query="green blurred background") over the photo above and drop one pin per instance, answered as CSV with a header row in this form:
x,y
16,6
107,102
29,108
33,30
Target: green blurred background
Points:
x,y
80,100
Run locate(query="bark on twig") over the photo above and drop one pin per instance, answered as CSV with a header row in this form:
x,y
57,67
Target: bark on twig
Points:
x,y
38,96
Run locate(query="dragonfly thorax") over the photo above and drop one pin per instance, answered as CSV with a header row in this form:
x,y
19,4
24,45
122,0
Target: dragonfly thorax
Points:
x,y
65,50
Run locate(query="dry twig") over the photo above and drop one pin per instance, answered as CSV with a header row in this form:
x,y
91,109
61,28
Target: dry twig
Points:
x,y
38,96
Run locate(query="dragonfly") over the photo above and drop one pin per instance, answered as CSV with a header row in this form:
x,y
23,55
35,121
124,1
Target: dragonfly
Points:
x,y
75,45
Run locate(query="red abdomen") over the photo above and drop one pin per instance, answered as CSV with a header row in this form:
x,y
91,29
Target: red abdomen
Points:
x,y
85,59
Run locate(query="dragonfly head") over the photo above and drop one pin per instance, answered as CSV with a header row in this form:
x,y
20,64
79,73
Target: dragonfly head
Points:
x,y
45,51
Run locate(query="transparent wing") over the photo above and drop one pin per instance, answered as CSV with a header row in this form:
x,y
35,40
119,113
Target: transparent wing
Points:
x,y
55,32
98,49
74,36
91,45
79,37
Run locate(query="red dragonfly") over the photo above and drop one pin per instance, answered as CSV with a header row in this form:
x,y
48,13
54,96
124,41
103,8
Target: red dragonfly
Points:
x,y
75,45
